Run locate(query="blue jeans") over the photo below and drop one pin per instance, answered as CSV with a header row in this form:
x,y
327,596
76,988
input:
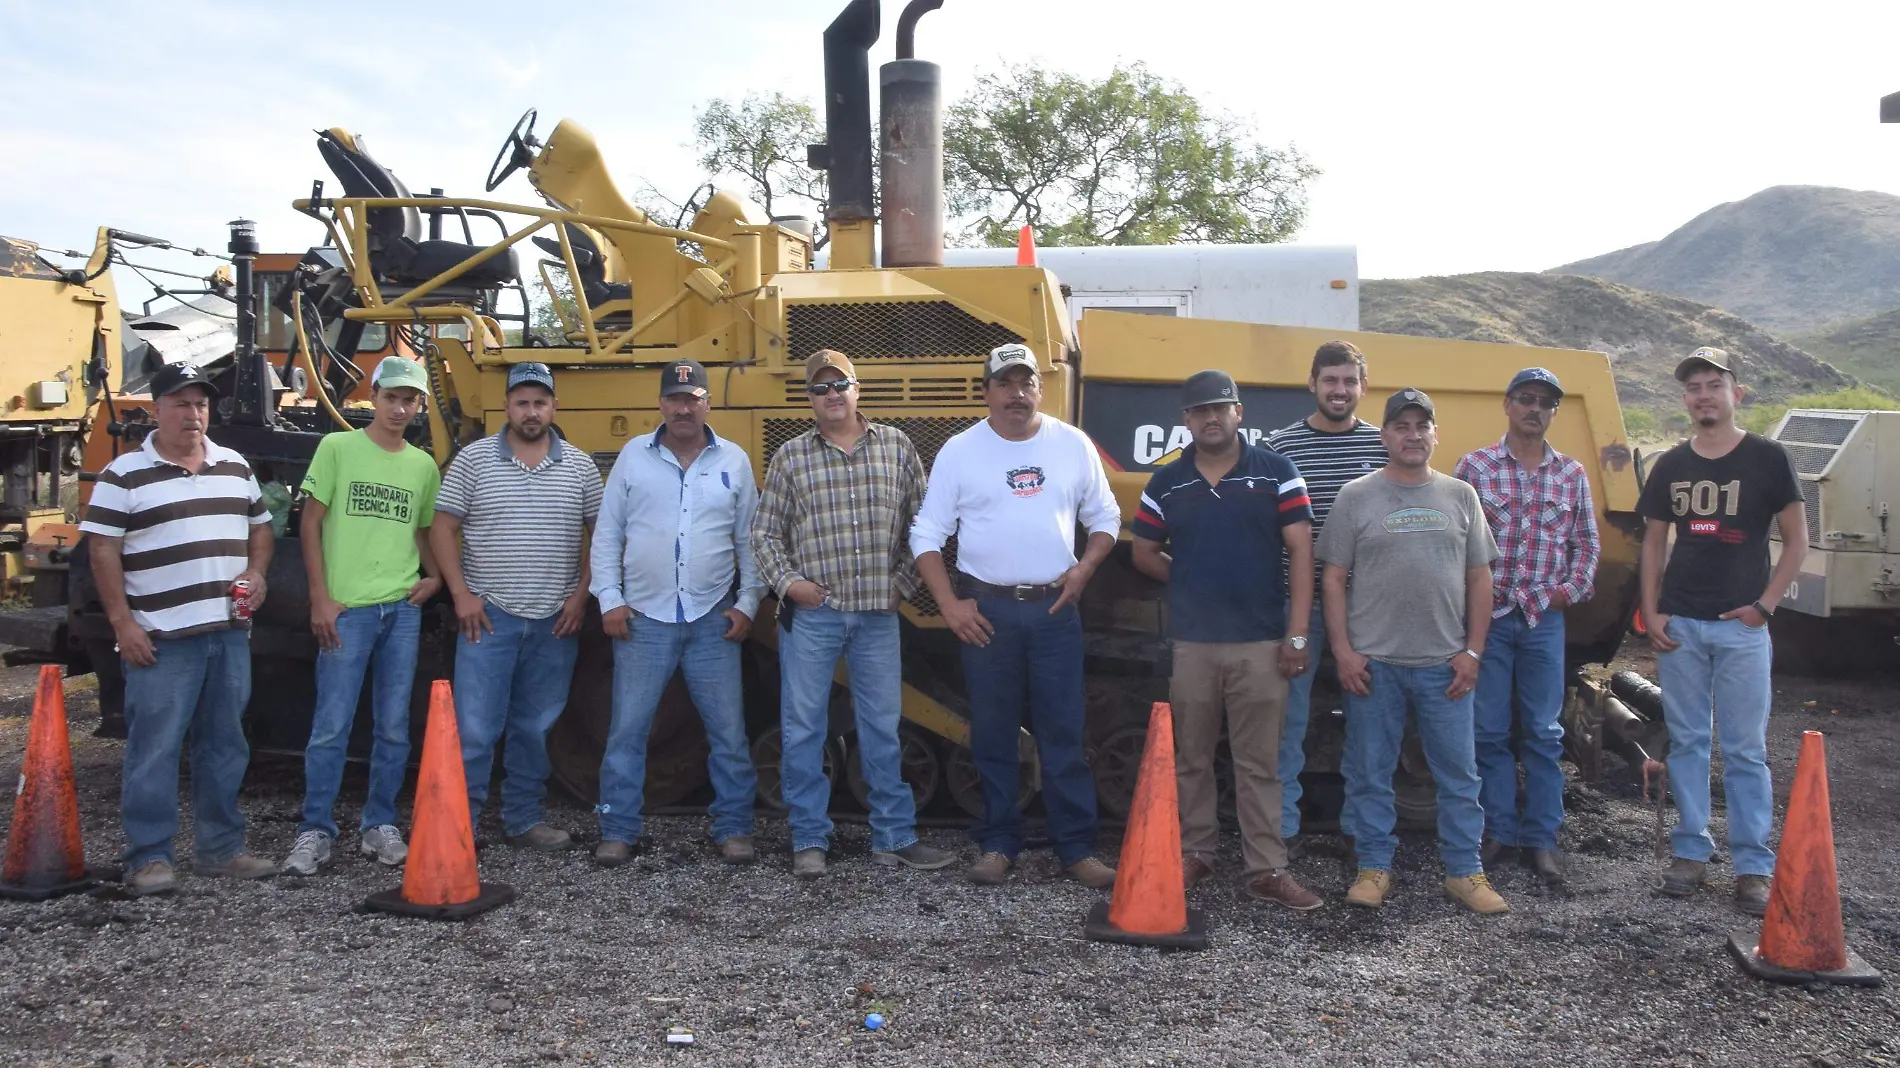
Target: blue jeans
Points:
x,y
197,689
807,656
385,634
1719,678
514,682
1299,711
1375,728
1523,671
1033,665
643,664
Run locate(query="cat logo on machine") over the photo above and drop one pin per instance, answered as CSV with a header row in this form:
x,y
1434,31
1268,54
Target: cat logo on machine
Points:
x,y
1024,481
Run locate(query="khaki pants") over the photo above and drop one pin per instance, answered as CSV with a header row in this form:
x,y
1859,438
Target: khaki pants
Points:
x,y
1245,679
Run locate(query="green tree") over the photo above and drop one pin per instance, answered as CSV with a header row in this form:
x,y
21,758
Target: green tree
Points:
x,y
760,141
1761,418
544,322
1133,159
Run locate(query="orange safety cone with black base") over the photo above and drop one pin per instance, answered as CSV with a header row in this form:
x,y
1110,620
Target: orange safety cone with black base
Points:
x,y
45,857
1149,905
439,880
1025,247
1802,940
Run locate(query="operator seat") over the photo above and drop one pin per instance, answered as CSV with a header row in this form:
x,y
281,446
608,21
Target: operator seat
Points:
x,y
398,254
600,293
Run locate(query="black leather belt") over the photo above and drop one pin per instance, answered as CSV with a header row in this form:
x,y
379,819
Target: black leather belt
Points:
x,y
971,587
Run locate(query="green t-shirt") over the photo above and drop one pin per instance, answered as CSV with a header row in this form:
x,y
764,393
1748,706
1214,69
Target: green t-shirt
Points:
x,y
377,500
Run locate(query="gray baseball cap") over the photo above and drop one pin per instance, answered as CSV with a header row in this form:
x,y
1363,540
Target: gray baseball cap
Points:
x,y
530,374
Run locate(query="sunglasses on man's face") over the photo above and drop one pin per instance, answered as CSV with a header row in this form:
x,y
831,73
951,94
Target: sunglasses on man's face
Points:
x,y
839,386
1536,400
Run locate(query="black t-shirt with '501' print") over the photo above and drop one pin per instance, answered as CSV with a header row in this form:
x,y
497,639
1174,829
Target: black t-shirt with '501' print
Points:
x,y
1722,510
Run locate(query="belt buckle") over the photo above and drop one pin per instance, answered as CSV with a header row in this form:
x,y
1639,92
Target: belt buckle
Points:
x,y
1021,592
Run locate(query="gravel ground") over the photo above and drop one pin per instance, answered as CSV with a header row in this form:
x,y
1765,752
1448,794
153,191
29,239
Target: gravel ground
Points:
x,y
594,967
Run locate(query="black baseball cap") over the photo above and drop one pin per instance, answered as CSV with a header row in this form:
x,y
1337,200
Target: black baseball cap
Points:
x,y
1531,375
530,374
683,376
1408,398
176,376
1209,387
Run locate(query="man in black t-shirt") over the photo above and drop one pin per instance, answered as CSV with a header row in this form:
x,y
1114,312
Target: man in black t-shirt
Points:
x,y
1707,616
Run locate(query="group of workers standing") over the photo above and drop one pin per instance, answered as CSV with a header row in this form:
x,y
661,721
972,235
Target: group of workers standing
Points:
x,y
1445,594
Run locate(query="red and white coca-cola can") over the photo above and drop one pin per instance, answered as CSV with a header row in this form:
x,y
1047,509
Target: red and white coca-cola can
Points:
x,y
241,601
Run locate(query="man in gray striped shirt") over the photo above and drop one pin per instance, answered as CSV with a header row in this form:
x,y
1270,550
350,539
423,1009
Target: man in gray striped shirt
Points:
x,y
171,526
523,502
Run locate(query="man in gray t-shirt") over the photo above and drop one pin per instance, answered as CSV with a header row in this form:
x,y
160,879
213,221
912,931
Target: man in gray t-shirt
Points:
x,y
1418,553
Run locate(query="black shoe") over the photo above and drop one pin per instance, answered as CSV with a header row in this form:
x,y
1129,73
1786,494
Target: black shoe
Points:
x,y
1493,852
1547,863
1295,848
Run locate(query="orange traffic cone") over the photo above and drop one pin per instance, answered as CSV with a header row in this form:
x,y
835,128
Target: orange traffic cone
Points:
x,y
1802,940
1149,905
439,880
1025,247
45,857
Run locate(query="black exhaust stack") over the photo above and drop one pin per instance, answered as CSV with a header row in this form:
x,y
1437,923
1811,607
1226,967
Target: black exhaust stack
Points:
x,y
251,394
846,153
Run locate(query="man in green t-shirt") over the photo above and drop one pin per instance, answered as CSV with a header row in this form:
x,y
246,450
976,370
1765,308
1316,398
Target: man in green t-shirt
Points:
x,y
368,500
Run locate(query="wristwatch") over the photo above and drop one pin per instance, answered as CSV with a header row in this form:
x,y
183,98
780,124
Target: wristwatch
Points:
x,y
1298,642
1473,654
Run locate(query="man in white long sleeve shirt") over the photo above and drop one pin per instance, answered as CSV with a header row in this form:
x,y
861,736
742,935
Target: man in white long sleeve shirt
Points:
x,y
674,531
1012,489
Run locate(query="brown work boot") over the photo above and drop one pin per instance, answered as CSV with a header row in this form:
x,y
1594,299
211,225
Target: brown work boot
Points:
x,y
809,863
152,877
612,853
990,869
1281,888
1548,865
1195,871
1092,873
738,849
541,838
1683,878
1474,892
1493,851
241,866
1369,889
1751,893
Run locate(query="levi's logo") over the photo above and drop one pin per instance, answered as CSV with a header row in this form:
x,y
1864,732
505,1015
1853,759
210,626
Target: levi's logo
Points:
x,y
1704,526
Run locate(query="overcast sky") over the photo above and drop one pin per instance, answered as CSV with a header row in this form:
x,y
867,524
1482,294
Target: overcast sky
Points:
x,y
1455,137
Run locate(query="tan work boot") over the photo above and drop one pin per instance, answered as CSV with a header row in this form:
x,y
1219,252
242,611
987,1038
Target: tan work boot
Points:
x,y
1474,892
152,877
541,838
738,849
241,866
1092,873
1369,889
990,869
612,853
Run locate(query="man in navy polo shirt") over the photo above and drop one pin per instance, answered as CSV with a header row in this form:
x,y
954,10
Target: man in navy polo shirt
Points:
x,y
1224,510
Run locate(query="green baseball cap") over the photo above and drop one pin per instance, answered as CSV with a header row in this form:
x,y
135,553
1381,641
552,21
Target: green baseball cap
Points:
x,y
400,372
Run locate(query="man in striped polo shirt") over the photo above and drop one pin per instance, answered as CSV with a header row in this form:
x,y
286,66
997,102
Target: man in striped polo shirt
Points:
x,y
523,503
172,525
1331,447
832,540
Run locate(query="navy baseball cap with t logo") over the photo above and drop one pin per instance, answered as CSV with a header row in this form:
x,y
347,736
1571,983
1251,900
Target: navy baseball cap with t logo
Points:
x,y
683,376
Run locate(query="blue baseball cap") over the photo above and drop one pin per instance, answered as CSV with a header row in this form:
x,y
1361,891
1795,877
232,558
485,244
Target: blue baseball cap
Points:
x,y
530,374
1534,374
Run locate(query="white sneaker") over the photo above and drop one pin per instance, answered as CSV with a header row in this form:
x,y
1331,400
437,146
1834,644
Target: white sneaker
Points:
x,y
385,845
311,851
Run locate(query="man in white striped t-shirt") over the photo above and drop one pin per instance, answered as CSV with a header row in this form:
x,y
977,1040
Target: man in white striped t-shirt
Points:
x,y
523,503
1330,448
171,525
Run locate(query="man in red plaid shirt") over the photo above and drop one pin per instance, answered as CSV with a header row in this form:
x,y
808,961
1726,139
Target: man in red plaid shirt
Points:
x,y
1537,501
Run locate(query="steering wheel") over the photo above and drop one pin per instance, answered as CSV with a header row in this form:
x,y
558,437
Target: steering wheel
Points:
x,y
516,152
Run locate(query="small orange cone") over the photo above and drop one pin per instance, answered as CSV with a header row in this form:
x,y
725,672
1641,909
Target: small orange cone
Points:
x,y
1025,247
1149,905
45,857
439,880
1802,940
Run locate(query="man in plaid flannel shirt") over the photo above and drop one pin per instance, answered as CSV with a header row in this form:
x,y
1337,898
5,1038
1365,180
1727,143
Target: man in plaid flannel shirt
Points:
x,y
1537,501
832,540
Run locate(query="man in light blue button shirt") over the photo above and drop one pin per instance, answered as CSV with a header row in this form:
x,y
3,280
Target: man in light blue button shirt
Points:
x,y
673,534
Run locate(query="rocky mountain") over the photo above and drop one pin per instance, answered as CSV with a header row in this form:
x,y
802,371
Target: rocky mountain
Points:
x,y
1644,333
1792,258
1867,348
